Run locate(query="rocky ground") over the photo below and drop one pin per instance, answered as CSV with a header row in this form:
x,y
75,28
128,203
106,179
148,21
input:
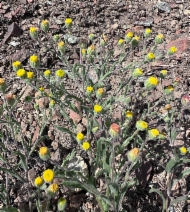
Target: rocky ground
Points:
x,y
114,18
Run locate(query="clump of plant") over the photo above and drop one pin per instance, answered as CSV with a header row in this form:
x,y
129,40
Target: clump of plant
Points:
x,y
115,147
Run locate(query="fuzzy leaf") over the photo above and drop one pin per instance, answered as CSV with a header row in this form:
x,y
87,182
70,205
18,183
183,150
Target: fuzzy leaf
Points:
x,y
179,199
161,195
65,130
170,165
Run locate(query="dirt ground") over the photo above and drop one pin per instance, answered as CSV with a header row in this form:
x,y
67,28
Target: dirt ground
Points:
x,y
113,18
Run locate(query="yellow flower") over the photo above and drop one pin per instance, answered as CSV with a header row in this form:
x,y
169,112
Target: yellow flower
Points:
x,y
89,90
45,25
141,125
48,175
150,56
47,73
135,41
172,50
41,89
44,153
62,202
163,73
114,130
91,50
38,182
34,33
21,73
183,150
83,51
100,92
153,134
61,47
147,32
151,82
68,22
137,38
30,75
133,154
168,107
97,108
2,81
17,65
60,73
79,137
159,38
137,72
86,145
169,89
34,61
129,115
120,42
53,189
128,36
52,103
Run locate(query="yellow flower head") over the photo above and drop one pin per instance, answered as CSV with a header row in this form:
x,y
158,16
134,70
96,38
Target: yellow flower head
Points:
x,y
38,182
68,22
172,50
97,108
61,44
150,56
16,65
47,73
90,50
133,154
153,133
168,107
163,73
129,115
62,202
2,81
21,73
147,32
79,137
151,82
83,52
86,145
30,75
89,89
53,189
60,73
34,61
129,36
183,150
45,25
137,72
52,103
91,37
141,125
137,38
33,29
44,151
169,89
100,92
41,89
48,175
159,38
120,42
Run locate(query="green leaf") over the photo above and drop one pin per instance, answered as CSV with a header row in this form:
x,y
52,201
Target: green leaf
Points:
x,y
161,195
65,130
174,135
87,109
170,165
114,189
22,159
73,97
106,75
38,205
9,209
179,199
72,183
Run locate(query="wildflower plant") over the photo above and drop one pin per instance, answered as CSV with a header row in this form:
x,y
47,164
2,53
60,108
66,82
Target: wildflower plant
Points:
x,y
105,137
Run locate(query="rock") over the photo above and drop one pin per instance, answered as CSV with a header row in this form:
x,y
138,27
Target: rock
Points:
x,y
32,175
163,6
80,128
43,102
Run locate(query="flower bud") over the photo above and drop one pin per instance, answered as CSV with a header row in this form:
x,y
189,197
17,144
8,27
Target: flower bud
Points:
x,y
34,61
68,23
172,50
91,50
38,182
163,73
150,57
129,115
47,74
147,32
169,89
141,125
114,130
135,41
185,100
151,83
52,103
52,189
10,99
159,39
2,85
34,33
183,150
128,36
91,37
56,38
45,25
137,73
100,92
168,107
133,154
61,47
153,134
17,65
120,42
89,90
83,51
30,75
44,153
60,74
62,203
